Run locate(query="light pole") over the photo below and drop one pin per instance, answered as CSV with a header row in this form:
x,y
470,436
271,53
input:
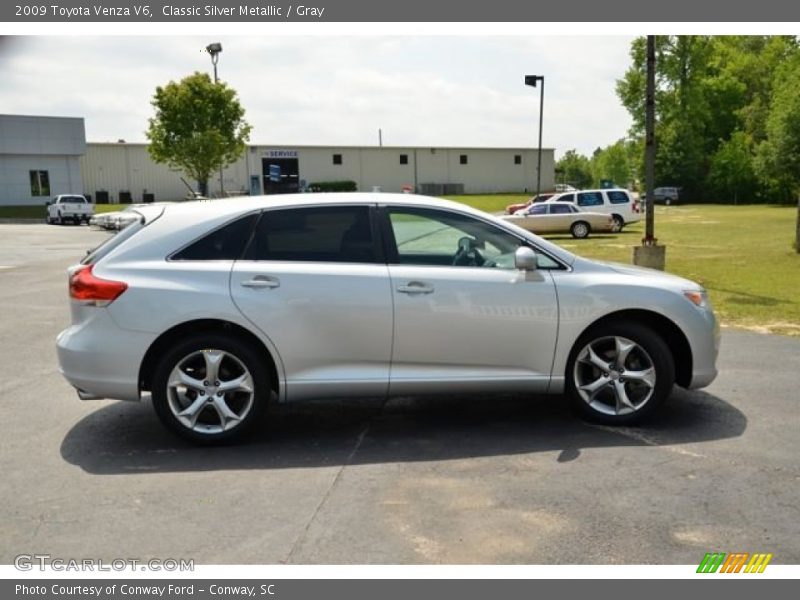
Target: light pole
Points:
x,y
532,80
214,50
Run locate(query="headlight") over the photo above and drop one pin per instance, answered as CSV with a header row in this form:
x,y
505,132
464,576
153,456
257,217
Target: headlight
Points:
x,y
697,297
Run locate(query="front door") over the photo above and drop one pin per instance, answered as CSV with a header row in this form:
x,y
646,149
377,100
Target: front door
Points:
x,y
464,317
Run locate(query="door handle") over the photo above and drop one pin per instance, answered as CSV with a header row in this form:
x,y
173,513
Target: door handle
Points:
x,y
260,281
415,287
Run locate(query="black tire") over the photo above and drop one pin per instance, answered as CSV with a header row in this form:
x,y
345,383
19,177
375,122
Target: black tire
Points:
x,y
650,347
580,230
619,223
245,353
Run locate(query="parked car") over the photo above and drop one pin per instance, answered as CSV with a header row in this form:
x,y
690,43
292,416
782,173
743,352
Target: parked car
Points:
x,y
69,207
512,208
618,203
556,217
564,187
211,308
99,220
667,195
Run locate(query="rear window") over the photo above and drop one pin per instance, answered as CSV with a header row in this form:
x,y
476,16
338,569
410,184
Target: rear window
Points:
x,y
618,197
224,243
72,200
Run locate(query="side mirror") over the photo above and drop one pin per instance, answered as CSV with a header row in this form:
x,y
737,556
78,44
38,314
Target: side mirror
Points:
x,y
48,203
525,259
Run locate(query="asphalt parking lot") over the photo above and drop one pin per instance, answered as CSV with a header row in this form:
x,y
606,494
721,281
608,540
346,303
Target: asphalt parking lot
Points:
x,y
502,479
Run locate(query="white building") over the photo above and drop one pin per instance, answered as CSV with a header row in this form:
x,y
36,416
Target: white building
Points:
x,y
44,156
39,157
126,170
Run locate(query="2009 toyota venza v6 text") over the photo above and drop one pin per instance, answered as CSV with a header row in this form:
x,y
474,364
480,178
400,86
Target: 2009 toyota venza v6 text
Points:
x,y
213,306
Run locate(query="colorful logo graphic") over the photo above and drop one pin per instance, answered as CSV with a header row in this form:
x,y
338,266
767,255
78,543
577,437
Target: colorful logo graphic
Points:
x,y
738,562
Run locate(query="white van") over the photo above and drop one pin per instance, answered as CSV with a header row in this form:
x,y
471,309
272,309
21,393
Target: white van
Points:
x,y
618,203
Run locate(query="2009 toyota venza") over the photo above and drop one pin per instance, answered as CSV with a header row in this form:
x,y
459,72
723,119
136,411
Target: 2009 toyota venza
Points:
x,y
213,306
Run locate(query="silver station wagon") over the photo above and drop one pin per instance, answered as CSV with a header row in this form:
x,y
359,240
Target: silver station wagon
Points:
x,y
214,307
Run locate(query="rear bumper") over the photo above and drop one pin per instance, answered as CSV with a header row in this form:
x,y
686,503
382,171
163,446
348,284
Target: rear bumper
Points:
x,y
101,360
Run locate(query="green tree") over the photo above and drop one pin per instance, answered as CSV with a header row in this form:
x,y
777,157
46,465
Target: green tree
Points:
x,y
198,127
613,163
781,149
574,169
731,173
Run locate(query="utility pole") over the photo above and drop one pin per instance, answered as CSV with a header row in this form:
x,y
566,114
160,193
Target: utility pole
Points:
x,y
214,50
650,253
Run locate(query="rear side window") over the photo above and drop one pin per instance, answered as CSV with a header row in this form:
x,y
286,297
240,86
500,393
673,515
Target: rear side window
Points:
x,y
590,199
618,197
560,209
567,198
315,234
225,243
112,242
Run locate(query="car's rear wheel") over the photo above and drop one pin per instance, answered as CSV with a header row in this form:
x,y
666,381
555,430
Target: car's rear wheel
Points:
x,y
210,388
618,223
619,373
580,229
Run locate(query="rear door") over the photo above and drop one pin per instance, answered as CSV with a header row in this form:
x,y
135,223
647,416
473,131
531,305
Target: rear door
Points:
x,y
314,281
464,318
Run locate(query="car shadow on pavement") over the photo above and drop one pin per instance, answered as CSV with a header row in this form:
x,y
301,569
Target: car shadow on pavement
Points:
x,y
127,438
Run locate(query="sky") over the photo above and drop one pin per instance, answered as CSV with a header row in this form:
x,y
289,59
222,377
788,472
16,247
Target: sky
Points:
x,y
337,90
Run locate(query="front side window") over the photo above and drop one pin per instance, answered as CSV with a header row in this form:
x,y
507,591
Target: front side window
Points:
x,y
314,234
40,183
567,198
441,238
538,209
590,199
618,197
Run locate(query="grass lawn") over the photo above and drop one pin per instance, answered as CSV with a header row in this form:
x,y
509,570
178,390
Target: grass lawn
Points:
x,y
39,212
743,255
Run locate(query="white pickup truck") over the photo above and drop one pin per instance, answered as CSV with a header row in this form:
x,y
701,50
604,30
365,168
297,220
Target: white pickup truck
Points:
x,y
69,207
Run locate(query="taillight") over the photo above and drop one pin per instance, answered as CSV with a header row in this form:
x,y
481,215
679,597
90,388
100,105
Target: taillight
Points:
x,y
91,290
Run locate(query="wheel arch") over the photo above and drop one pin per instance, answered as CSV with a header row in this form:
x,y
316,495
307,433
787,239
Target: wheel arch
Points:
x,y
672,335
169,337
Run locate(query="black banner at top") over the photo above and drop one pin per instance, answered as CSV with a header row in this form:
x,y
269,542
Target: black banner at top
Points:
x,y
464,11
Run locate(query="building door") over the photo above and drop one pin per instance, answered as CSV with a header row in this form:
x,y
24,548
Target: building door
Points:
x,y
281,175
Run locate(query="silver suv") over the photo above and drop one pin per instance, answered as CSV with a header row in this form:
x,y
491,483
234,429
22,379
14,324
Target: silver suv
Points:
x,y
215,307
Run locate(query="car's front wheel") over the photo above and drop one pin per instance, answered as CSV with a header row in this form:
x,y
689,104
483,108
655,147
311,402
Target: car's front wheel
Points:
x,y
210,388
619,373
580,230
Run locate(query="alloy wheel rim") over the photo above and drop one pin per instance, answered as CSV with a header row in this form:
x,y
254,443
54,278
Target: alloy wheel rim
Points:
x,y
210,391
614,376
580,229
